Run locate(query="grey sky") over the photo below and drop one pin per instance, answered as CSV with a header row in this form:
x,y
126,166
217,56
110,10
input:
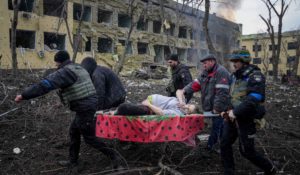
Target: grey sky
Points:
x,y
248,15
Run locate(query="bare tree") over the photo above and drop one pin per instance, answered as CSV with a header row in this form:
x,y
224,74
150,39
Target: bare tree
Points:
x,y
270,28
78,36
132,11
77,40
263,40
209,43
14,23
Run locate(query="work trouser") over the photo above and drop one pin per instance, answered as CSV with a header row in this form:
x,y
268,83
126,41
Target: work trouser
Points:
x,y
84,124
245,132
216,132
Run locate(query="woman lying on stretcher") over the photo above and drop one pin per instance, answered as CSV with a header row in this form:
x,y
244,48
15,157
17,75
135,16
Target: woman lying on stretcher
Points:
x,y
157,105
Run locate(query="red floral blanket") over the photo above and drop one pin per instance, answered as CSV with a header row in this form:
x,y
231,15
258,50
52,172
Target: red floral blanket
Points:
x,y
149,128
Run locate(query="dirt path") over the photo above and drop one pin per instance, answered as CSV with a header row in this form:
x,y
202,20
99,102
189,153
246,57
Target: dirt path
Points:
x,y
39,128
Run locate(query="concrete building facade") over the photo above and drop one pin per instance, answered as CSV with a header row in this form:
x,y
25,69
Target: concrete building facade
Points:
x,y
159,31
259,45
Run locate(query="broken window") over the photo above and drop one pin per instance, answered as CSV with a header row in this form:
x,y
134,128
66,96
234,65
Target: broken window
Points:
x,y
88,44
142,48
129,46
53,7
25,5
124,20
156,26
170,30
182,32
104,16
182,54
53,41
142,24
158,49
256,48
77,10
105,45
256,60
292,45
24,39
291,59
167,51
85,43
270,47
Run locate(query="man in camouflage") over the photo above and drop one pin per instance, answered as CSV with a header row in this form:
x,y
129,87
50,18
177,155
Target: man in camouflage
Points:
x,y
248,94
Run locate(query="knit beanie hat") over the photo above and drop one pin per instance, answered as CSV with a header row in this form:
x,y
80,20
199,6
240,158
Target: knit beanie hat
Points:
x,y
61,56
173,57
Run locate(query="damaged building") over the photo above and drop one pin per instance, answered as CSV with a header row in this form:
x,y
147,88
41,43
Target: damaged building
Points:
x,y
158,30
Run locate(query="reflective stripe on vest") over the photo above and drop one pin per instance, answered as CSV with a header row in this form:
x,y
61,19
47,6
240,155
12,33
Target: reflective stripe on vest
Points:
x,y
82,88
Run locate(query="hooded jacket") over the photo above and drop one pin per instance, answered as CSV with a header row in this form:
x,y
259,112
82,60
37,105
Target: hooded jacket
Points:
x,y
108,86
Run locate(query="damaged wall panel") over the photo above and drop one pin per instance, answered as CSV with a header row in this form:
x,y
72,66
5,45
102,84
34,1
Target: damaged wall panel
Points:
x,y
155,35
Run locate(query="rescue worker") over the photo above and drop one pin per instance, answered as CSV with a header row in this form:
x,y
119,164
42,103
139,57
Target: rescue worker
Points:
x,y
247,93
181,77
76,91
110,90
213,83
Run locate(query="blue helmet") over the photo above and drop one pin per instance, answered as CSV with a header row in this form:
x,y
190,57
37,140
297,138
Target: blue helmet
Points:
x,y
242,55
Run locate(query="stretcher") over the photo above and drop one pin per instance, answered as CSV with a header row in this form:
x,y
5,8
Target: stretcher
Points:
x,y
149,128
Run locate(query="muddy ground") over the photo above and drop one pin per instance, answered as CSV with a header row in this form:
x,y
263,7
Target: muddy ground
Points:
x,y
39,128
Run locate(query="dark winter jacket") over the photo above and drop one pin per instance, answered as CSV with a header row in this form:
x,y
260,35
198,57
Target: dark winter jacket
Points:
x,y
214,87
61,79
181,77
248,92
110,90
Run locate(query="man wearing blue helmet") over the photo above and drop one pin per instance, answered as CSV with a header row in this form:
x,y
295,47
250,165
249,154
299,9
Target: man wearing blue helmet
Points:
x,y
247,96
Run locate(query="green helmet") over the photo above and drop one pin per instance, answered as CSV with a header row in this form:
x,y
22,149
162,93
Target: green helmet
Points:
x,y
242,55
